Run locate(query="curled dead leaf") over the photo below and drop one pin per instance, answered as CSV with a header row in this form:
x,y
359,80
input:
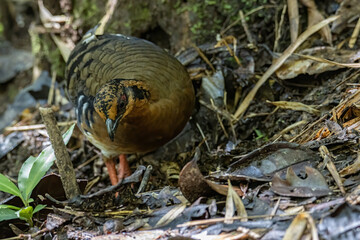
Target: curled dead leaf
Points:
x,y
314,185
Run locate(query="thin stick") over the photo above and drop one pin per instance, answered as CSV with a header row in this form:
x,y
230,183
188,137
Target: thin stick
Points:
x,y
52,88
202,55
246,29
110,8
219,119
216,220
278,31
63,162
203,136
36,126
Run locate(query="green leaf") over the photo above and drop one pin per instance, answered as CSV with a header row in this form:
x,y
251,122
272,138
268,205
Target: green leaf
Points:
x,y
39,208
7,214
25,213
34,169
8,186
9,207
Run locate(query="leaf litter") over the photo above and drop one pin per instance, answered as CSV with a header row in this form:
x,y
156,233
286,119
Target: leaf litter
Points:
x,y
246,174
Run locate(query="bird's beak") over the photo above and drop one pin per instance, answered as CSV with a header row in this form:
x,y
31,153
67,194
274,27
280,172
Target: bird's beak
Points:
x,y
111,126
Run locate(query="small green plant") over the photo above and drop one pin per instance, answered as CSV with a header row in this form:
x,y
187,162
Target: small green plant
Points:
x,y
30,174
260,135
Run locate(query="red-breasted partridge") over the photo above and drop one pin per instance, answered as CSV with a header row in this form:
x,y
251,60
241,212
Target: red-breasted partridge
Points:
x,y
130,96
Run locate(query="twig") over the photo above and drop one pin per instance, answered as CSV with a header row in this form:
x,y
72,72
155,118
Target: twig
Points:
x,y
302,133
28,236
246,29
293,12
36,126
202,55
217,110
203,136
278,31
219,119
52,88
288,129
216,220
63,162
87,162
110,8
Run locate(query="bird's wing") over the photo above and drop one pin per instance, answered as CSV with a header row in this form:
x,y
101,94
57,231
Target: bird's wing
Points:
x,y
99,59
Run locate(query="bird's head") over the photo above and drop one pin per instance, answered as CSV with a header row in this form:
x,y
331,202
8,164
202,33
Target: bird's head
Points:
x,y
111,103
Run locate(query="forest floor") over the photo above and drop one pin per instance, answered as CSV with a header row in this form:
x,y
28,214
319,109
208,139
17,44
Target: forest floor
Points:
x,y
271,150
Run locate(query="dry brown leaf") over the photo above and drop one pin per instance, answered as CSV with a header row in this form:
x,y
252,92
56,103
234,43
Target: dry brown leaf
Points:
x,y
314,16
298,225
348,10
296,106
233,201
229,206
223,189
355,34
171,215
352,169
315,60
296,228
327,156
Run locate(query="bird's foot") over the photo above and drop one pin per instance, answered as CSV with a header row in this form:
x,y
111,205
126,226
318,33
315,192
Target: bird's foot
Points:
x,y
124,169
111,167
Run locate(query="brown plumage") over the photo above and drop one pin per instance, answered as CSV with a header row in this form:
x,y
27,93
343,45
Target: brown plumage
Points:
x,y
130,95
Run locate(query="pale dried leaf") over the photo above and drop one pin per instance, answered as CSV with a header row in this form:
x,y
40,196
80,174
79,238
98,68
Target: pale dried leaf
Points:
x,y
296,106
171,215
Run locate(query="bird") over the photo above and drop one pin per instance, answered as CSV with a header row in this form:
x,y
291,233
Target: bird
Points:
x,y
130,96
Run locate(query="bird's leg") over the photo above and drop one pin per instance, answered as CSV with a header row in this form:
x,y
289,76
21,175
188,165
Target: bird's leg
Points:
x,y
111,166
124,169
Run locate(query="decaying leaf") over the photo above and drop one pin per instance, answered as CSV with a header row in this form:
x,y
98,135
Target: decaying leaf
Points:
x,y
313,185
346,115
233,202
54,221
171,215
318,61
191,182
328,161
223,189
213,88
354,197
341,223
315,16
348,10
298,226
352,169
261,164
